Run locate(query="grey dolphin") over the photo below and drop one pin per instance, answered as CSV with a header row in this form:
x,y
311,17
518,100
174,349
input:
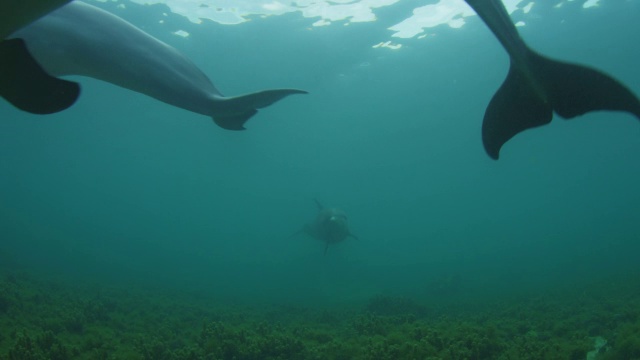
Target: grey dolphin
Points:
x,y
23,82
109,48
330,226
537,86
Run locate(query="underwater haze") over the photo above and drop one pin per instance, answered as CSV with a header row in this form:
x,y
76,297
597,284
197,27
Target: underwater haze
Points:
x,y
126,192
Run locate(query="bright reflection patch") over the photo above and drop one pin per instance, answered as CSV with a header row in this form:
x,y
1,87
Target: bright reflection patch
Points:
x,y
388,45
232,12
591,3
450,12
181,33
328,12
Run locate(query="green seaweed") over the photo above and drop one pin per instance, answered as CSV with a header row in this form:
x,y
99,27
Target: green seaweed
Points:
x,y
44,346
48,320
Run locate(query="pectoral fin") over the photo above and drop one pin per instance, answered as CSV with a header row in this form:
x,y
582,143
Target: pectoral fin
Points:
x,y
27,86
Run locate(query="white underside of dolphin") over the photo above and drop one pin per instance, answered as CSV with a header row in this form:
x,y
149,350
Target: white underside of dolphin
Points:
x,y
81,39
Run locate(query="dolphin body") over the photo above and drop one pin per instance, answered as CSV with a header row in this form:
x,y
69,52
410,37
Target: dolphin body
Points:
x,y
81,39
330,226
537,86
23,82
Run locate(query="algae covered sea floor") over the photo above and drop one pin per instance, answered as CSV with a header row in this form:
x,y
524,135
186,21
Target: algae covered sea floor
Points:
x,y
45,318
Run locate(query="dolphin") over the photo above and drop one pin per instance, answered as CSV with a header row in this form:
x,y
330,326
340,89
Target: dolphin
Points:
x,y
23,82
81,39
330,226
537,86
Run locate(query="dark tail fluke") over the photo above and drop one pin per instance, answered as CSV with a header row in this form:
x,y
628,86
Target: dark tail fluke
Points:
x,y
567,89
575,89
27,86
515,107
235,121
235,111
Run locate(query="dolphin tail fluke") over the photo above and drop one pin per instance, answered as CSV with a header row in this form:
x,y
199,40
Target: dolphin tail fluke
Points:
x,y
575,89
353,236
27,86
234,121
318,204
326,247
568,89
515,107
237,110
